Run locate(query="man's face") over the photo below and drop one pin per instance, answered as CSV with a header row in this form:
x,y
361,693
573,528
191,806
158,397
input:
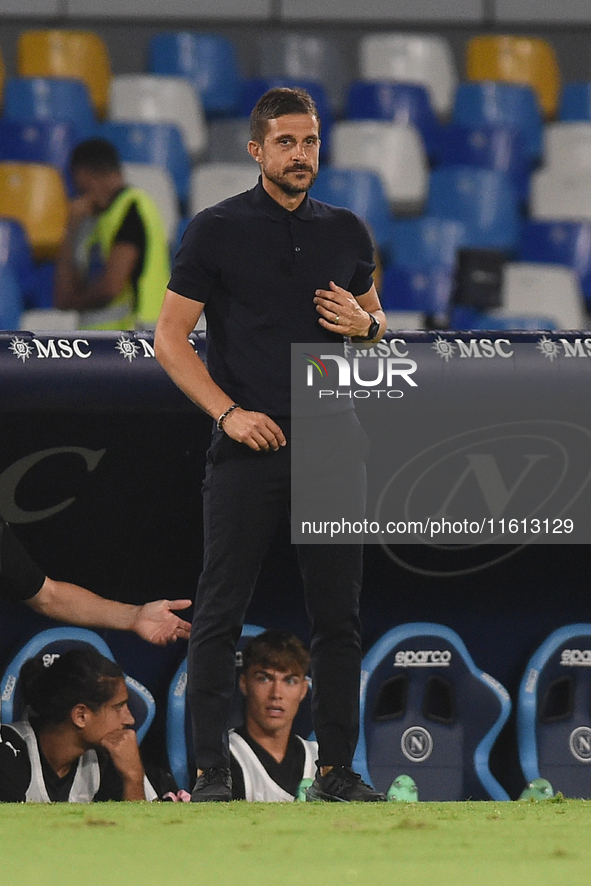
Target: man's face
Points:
x,y
272,697
95,187
112,717
288,156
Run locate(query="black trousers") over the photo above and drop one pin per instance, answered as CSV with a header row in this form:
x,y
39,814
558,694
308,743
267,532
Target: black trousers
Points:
x,y
245,495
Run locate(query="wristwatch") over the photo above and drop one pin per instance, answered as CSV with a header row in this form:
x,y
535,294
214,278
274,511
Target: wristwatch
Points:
x,y
374,328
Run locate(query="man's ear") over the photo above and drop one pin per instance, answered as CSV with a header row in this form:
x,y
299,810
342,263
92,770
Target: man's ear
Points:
x,y
242,684
79,715
254,149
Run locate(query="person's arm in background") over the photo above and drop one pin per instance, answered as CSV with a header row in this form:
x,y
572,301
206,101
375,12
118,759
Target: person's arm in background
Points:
x,y
155,621
21,578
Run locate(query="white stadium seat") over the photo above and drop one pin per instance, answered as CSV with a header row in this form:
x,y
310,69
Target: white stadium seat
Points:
x,y
551,290
412,58
393,150
567,147
558,197
213,182
158,99
158,183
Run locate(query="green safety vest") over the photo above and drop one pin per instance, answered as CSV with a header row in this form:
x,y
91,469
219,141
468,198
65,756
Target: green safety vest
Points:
x,y
131,310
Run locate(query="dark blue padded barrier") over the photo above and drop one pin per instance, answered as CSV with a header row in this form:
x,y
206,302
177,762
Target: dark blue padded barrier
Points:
x,y
427,710
87,371
53,643
554,712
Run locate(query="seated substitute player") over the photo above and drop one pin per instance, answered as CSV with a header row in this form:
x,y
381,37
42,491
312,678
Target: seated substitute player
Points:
x,y
76,745
268,760
22,579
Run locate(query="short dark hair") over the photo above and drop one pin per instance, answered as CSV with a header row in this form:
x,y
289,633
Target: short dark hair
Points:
x,y
276,649
278,102
79,676
97,155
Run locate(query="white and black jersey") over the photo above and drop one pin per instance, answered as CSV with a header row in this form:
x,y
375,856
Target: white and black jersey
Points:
x,y
256,775
27,777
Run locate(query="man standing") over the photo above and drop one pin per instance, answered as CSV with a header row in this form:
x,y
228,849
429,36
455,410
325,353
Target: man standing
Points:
x,y
269,267
268,760
114,263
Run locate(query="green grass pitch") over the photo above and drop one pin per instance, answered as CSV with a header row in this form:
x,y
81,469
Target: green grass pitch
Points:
x,y
443,844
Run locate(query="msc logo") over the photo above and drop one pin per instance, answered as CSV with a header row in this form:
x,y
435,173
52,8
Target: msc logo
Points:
x,y
416,744
476,348
576,658
580,744
51,349
422,658
130,348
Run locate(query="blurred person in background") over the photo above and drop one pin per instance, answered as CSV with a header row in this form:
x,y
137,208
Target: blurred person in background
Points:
x,y
113,265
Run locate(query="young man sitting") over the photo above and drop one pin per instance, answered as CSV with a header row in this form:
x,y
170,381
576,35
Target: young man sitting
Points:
x,y
268,760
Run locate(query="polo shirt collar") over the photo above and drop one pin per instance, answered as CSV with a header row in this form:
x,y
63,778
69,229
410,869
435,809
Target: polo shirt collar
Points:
x,y
274,210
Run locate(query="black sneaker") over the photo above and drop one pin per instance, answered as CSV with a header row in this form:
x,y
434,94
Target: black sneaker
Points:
x,y
342,785
213,786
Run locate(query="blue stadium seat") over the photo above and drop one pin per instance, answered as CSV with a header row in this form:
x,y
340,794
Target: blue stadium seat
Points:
x,y
253,88
362,192
488,147
57,641
400,102
11,298
51,98
35,279
179,743
160,144
426,242
560,243
575,102
553,712
40,141
483,199
15,250
427,710
507,104
207,60
427,290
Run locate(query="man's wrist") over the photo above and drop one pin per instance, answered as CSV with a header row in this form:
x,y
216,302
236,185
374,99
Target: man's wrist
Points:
x,y
224,415
373,327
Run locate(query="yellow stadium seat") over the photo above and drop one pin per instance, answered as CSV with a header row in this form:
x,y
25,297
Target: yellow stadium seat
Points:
x,y
34,195
57,53
527,60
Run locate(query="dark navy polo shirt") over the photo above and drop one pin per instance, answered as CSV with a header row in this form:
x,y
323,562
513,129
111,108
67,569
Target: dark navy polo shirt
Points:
x,y
256,267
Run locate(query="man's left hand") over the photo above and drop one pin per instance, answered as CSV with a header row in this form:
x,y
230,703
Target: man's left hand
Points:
x,y
340,312
157,623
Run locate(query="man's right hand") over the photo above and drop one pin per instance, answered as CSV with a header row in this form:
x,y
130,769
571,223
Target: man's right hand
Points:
x,y
254,429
